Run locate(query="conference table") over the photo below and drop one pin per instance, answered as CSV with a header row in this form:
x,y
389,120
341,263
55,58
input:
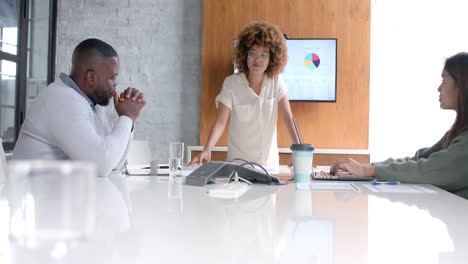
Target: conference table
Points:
x,y
141,219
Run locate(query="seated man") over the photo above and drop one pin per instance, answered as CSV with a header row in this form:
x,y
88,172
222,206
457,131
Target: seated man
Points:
x,y
67,120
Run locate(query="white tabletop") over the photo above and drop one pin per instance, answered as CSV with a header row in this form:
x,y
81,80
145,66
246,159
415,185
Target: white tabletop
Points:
x,y
146,220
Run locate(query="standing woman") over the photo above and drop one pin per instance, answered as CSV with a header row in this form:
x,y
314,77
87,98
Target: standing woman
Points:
x,y
445,164
253,98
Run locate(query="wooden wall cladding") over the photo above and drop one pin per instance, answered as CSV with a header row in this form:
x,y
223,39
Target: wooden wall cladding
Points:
x,y
341,125
285,158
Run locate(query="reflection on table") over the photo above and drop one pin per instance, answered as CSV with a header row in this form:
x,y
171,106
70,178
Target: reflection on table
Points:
x,y
153,220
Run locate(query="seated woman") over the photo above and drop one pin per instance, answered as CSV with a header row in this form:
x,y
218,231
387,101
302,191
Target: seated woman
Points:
x,y
445,164
253,98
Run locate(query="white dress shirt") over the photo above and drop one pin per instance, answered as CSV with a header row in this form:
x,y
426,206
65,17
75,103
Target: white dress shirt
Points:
x,y
63,123
252,126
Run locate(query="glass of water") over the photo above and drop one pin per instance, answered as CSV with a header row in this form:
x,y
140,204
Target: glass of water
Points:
x,y
176,157
51,201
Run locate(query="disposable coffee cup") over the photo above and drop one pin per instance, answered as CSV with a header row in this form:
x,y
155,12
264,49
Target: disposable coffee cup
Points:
x,y
302,157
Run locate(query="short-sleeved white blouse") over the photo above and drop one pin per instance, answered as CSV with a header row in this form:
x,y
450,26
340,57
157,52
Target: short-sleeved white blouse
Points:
x,y
252,126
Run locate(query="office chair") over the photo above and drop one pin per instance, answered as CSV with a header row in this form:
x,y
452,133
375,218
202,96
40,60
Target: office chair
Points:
x,y
139,153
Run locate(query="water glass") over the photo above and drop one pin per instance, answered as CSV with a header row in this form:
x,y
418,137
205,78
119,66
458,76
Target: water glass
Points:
x,y
175,195
174,167
176,150
50,202
176,157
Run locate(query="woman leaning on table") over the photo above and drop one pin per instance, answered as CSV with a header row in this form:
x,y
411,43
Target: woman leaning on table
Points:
x,y
445,164
253,98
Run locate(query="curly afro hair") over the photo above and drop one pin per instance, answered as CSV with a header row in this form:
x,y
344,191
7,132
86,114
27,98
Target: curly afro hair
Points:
x,y
268,36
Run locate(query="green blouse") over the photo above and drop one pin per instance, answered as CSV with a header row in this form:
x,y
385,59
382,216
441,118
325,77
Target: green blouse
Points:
x,y
445,168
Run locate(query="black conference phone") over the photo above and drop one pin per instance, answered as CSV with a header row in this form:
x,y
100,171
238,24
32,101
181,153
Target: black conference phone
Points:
x,y
208,172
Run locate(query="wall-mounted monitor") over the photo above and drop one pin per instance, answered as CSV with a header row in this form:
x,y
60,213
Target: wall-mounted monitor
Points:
x,y
310,74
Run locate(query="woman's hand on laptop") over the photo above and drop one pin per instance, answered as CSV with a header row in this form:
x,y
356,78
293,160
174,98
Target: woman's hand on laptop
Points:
x,y
351,166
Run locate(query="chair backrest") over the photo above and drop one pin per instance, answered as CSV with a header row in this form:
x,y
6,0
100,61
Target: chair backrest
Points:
x,y
3,163
139,152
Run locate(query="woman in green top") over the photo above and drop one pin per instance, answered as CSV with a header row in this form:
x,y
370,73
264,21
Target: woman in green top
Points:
x,y
445,164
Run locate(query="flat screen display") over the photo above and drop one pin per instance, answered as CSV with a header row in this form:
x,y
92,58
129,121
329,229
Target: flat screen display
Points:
x,y
310,74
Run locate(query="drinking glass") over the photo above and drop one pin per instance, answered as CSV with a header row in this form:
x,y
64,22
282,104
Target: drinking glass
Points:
x,y
50,202
176,157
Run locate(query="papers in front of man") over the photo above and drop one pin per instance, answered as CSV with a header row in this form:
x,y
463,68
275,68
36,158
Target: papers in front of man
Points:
x,y
145,170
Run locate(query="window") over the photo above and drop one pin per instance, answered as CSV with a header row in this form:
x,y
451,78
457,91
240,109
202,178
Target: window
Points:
x,y
407,57
27,49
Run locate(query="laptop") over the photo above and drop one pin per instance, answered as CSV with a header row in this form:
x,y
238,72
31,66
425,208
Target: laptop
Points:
x,y
145,170
323,173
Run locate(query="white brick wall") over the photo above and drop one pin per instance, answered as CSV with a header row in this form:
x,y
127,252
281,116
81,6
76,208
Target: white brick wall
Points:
x,y
159,44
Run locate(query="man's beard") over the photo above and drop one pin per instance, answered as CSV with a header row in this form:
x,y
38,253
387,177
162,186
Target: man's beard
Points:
x,y
101,97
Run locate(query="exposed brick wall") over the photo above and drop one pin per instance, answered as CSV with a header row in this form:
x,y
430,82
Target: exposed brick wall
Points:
x,y
159,45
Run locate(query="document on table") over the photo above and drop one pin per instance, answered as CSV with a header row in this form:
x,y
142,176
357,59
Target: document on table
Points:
x,y
327,186
399,188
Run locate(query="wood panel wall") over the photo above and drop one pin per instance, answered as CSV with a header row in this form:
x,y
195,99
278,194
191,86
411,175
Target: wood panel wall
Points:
x,y
342,125
285,158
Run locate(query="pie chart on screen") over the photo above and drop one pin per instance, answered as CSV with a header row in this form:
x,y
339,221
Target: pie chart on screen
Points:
x,y
311,61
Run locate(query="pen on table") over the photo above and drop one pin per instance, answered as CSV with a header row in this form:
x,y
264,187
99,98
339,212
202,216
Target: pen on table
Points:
x,y
385,182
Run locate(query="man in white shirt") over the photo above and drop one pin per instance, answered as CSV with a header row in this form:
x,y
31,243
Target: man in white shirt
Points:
x,y
67,120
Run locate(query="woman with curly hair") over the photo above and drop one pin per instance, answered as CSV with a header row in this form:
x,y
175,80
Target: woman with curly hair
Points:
x,y
252,99
445,164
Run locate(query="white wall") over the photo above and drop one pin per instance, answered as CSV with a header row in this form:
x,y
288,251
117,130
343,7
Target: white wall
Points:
x,y
409,42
